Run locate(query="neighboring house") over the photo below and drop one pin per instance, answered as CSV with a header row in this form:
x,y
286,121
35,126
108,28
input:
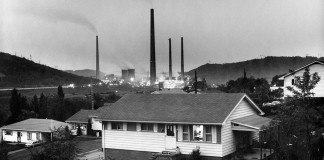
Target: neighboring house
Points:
x,y
81,119
289,78
138,125
31,130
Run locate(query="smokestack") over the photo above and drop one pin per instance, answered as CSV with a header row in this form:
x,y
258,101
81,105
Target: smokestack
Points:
x,y
97,59
152,51
170,60
182,63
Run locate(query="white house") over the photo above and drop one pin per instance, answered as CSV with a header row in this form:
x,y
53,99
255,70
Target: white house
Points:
x,y
138,125
316,66
31,130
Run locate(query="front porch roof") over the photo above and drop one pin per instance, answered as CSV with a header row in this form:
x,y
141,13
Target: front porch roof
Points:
x,y
248,123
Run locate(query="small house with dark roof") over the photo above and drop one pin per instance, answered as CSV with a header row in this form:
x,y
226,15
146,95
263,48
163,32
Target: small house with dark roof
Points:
x,y
316,66
31,130
217,124
81,118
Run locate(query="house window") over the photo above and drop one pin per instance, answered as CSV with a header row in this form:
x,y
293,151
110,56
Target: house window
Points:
x,y
161,128
185,133
208,133
117,125
38,136
147,126
29,135
105,125
8,133
292,81
131,126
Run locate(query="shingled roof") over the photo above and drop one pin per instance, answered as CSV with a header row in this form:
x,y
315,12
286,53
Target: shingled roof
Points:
x,y
32,124
82,116
174,108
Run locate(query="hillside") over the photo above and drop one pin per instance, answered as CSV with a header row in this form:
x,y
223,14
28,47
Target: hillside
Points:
x,y
21,72
258,68
86,73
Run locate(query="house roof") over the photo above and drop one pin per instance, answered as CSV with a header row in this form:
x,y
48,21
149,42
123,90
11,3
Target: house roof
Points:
x,y
32,124
288,74
253,121
174,108
82,116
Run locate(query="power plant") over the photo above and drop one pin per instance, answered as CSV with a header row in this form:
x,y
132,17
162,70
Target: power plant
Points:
x,y
128,74
97,59
152,51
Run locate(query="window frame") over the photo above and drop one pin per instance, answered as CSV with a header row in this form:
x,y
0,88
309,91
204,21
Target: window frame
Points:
x,y
186,133
208,133
146,126
29,135
119,126
8,132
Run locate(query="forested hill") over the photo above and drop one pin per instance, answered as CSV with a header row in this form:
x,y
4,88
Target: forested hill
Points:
x,y
86,73
21,72
258,68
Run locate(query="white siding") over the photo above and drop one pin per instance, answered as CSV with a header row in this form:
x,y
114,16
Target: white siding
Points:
x,y
228,140
96,124
131,140
206,149
318,90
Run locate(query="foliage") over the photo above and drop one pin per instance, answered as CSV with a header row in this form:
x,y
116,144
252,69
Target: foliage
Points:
x,y
79,132
17,104
89,128
21,72
63,147
42,105
258,89
3,152
291,131
195,155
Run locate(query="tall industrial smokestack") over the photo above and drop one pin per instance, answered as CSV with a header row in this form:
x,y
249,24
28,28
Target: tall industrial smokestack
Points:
x,y
152,51
170,60
182,63
97,59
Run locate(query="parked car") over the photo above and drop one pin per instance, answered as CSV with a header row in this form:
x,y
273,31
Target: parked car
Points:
x,y
31,144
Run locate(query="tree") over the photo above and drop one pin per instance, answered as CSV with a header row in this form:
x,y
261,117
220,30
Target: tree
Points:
x,y
17,104
63,147
42,106
297,119
60,92
35,104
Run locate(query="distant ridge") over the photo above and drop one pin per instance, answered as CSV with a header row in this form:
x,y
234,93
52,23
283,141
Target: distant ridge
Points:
x,y
258,68
86,73
21,72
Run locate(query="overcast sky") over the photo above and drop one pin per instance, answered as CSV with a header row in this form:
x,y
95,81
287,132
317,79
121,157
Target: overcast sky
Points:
x,y
62,33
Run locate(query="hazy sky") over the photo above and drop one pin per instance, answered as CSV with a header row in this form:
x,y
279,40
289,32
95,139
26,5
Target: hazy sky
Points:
x,y
62,32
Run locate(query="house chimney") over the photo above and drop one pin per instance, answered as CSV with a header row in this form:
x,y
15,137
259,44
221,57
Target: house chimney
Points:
x,y
170,60
182,63
152,51
97,59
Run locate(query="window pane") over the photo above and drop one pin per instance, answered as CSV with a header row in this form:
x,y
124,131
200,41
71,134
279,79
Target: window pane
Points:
x,y
117,125
185,128
150,127
185,137
208,138
208,129
131,126
161,128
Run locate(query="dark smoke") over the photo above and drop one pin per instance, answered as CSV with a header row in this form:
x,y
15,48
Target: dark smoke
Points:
x,y
59,15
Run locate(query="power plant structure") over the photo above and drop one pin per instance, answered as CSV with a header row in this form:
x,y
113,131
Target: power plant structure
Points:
x,y
128,74
152,51
97,59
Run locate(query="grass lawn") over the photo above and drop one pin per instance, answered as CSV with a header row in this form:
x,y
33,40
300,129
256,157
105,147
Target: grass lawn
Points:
x,y
12,147
86,144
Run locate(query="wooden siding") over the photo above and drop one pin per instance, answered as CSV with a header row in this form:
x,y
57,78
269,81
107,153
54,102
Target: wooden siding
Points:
x,y
318,90
206,149
228,141
131,140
